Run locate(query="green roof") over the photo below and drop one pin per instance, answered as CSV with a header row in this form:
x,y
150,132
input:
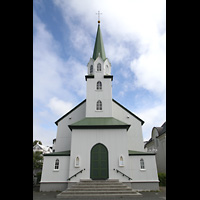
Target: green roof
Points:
x,y
138,153
61,153
99,123
99,47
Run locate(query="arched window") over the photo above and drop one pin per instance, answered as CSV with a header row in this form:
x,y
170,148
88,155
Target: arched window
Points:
x,y
77,161
99,85
99,67
91,69
57,164
142,164
99,105
121,161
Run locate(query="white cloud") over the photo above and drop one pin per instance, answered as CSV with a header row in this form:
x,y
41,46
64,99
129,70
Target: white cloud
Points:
x,y
116,52
139,23
46,63
57,82
150,67
59,107
153,116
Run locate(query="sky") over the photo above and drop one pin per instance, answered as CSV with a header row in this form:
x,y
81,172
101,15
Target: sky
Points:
x,y
134,36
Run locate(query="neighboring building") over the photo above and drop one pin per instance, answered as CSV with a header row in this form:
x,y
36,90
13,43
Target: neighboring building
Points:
x,y
157,144
42,148
99,137
54,145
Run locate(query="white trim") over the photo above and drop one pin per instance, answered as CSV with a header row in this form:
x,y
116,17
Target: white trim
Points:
x,y
56,170
142,170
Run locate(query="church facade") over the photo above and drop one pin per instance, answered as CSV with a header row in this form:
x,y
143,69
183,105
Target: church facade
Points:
x,y
99,139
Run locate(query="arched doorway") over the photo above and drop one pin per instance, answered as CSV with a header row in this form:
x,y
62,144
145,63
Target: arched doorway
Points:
x,y
99,162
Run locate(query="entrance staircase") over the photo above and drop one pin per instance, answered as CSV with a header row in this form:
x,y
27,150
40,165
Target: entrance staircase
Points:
x,y
98,188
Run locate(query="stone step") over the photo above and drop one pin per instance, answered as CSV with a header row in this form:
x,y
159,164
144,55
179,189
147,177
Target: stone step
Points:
x,y
87,196
108,180
99,183
99,189
98,192
100,186
88,188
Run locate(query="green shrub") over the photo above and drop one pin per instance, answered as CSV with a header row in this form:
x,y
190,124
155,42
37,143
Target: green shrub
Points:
x,y
162,179
39,176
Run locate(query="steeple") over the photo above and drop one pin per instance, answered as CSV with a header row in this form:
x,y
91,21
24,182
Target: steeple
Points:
x,y
99,47
99,81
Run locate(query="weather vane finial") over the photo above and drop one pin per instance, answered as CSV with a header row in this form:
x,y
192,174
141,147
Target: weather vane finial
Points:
x,y
99,16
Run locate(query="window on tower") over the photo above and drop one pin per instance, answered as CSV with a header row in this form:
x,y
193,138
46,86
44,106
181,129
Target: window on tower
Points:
x,y
99,85
91,69
99,67
99,105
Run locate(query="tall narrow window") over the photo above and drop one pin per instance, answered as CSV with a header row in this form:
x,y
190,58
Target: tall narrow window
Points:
x,y
99,105
57,164
121,161
77,161
99,67
99,85
142,164
91,69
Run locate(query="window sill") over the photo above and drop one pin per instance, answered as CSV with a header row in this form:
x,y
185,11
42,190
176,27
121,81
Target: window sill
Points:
x,y
56,170
98,110
142,170
99,90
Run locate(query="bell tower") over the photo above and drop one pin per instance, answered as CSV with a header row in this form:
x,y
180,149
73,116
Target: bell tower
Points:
x,y
99,81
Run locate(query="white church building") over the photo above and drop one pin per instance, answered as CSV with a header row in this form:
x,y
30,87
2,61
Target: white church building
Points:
x,y
99,139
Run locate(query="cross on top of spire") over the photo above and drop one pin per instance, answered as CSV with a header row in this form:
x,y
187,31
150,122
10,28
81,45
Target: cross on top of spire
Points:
x,y
99,16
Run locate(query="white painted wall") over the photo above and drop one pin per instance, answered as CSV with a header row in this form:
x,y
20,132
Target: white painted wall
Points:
x,y
63,138
116,141
82,142
49,174
147,174
135,137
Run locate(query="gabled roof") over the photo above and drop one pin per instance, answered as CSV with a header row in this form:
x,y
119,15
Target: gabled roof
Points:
x,y
139,153
99,123
129,111
161,130
42,147
142,122
99,47
56,122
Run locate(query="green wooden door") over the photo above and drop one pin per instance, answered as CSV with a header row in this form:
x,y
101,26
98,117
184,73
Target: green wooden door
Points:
x,y
99,162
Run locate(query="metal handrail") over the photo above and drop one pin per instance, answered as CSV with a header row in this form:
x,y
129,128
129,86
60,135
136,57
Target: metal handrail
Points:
x,y
123,174
75,175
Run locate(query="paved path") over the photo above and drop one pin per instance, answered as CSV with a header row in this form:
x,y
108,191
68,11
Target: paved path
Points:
x,y
145,195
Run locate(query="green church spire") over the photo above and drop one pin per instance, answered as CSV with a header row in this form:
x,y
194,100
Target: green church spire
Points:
x,y
99,47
